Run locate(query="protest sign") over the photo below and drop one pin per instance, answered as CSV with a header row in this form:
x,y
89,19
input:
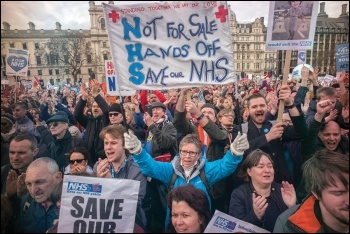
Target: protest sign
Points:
x,y
291,26
17,62
301,57
223,223
112,85
175,44
342,57
98,205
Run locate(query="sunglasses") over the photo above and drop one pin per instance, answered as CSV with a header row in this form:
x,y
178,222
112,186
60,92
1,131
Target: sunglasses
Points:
x,y
114,114
53,124
76,160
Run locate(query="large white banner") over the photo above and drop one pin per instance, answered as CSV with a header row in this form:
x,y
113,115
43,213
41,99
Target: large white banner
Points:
x,y
17,62
98,205
163,45
223,223
291,25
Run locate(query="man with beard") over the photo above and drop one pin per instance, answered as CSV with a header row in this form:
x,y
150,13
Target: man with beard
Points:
x,y
326,209
269,137
322,136
94,123
161,139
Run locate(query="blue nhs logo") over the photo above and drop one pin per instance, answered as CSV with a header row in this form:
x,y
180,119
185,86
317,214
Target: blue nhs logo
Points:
x,y
305,43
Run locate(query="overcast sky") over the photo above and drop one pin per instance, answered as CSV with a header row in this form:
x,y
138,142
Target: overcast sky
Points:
x,y
75,15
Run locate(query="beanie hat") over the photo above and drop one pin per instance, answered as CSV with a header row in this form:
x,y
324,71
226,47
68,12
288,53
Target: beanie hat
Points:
x,y
205,93
60,116
158,104
115,107
9,118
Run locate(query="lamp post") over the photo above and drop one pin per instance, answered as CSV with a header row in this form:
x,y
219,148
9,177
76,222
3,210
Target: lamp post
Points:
x,y
242,75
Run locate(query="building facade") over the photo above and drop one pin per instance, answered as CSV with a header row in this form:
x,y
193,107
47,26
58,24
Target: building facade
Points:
x,y
251,57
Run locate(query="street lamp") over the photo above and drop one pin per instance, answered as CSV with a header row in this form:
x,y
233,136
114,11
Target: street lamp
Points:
x,y
242,75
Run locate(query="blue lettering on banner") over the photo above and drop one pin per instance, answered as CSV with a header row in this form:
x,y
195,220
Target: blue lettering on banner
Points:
x,y
225,224
305,43
83,187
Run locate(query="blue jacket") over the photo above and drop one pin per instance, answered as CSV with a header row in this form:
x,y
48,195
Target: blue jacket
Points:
x,y
163,171
35,219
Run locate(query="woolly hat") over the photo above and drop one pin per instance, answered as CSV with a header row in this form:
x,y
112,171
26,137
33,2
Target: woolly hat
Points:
x,y
9,118
158,104
205,93
115,107
60,116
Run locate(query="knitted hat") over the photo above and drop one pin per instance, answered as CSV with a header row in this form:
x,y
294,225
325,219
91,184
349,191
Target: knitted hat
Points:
x,y
9,118
205,93
60,116
115,107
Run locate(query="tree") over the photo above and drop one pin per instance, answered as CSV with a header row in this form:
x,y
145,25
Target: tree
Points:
x,y
69,53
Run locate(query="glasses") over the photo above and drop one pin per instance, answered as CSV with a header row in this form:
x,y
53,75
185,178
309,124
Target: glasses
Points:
x,y
76,160
191,153
228,116
115,114
54,124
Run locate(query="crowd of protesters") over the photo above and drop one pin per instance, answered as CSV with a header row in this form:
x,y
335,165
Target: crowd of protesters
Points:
x,y
225,142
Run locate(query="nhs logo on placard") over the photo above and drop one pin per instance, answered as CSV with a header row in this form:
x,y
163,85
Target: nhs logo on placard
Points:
x,y
83,188
225,224
305,43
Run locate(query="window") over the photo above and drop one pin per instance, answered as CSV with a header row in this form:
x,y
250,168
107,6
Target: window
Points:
x,y
50,72
3,60
40,72
88,58
238,66
77,59
38,60
52,82
57,71
103,23
104,44
28,72
65,57
68,80
37,45
105,57
4,73
54,58
67,71
78,71
12,44
89,70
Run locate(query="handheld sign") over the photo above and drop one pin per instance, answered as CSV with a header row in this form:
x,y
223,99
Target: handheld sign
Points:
x,y
98,205
166,45
17,62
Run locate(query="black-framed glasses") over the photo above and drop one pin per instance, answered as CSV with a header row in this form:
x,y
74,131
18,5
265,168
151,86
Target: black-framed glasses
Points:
x,y
191,153
115,114
54,124
76,160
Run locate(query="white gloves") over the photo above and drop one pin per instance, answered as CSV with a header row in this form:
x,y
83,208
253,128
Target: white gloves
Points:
x,y
132,143
239,145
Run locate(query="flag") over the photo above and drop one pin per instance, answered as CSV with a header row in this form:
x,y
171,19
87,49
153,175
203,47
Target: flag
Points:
x,y
36,83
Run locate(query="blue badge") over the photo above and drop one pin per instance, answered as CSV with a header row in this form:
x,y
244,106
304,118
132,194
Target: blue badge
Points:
x,y
266,130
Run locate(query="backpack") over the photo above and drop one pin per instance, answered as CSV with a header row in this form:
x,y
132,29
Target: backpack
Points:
x,y
201,175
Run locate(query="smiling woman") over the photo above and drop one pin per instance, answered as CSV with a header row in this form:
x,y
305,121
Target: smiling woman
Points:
x,y
260,200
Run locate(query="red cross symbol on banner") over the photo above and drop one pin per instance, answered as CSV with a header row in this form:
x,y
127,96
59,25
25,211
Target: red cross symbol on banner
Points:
x,y
221,14
114,16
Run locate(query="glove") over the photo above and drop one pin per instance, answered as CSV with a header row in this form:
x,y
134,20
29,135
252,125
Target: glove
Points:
x,y
239,145
132,143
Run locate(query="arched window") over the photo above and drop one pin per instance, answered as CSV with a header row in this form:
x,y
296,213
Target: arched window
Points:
x,y
103,23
